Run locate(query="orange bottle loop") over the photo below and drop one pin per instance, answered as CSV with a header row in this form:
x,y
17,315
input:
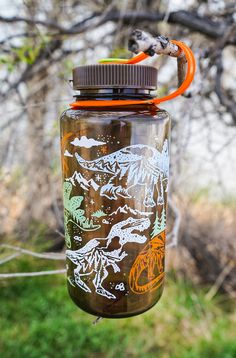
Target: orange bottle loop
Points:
x,y
191,67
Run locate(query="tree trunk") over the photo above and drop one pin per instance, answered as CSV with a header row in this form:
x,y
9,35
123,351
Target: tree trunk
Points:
x,y
38,201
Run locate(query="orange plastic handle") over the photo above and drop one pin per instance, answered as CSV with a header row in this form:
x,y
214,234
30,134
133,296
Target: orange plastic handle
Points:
x,y
189,75
191,67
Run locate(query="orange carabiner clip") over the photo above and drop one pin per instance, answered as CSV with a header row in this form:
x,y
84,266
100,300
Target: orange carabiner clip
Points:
x,y
191,67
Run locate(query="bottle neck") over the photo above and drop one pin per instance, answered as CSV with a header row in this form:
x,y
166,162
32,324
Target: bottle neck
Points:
x,y
114,94
109,94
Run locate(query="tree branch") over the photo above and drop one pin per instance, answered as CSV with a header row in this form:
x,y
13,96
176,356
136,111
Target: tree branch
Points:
x,y
10,257
191,20
160,45
172,237
31,274
46,23
49,255
223,98
220,279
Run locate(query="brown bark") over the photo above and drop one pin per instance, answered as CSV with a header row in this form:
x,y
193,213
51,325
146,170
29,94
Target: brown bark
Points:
x,y
38,153
143,41
38,201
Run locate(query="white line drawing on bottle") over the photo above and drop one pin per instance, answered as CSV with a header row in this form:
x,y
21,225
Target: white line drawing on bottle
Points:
x,y
86,142
96,257
68,154
139,165
84,183
120,286
126,209
104,221
77,238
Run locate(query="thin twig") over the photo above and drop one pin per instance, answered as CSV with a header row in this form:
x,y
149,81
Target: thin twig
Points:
x,y
97,320
224,146
220,279
32,274
49,255
188,19
10,257
173,235
160,45
60,233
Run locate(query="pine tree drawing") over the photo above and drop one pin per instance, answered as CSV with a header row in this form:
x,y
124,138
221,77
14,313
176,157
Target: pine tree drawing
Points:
x,y
159,224
163,219
99,213
86,223
74,214
156,227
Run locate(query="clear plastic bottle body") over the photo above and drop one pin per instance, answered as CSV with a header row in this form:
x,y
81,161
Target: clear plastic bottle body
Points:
x,y
115,167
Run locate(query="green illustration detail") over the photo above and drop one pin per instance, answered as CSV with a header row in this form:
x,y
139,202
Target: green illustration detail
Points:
x,y
159,224
98,214
73,214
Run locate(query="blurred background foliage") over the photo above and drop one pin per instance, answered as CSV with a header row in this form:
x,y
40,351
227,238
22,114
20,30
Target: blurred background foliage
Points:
x,y
40,43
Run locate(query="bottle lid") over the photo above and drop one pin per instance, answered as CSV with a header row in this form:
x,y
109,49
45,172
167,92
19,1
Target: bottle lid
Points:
x,y
115,76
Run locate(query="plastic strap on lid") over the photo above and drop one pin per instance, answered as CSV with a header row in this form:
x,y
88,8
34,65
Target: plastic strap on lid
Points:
x,y
191,66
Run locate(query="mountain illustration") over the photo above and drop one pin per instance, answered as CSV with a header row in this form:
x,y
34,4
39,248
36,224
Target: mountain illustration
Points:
x,y
138,164
84,183
126,210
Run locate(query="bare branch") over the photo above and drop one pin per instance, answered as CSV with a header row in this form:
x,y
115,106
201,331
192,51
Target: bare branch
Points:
x,y
143,41
9,258
18,117
172,237
12,37
220,279
97,320
224,146
46,23
228,103
31,274
49,255
190,20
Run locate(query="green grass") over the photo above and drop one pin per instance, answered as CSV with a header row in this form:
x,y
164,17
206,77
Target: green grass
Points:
x,y
38,320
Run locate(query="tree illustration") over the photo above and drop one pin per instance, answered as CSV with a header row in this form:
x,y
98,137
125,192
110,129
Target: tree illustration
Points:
x,y
99,213
74,214
157,226
163,219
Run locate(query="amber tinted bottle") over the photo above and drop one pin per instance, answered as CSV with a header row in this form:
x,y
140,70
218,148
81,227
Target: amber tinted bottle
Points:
x,y
115,163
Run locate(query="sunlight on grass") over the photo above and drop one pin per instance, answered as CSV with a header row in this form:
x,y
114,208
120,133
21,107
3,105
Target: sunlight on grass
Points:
x,y
38,319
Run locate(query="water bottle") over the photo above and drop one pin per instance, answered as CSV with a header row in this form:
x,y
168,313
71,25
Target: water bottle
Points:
x,y
115,148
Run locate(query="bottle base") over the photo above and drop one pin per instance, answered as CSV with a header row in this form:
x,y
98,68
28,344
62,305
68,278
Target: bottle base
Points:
x,y
115,315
